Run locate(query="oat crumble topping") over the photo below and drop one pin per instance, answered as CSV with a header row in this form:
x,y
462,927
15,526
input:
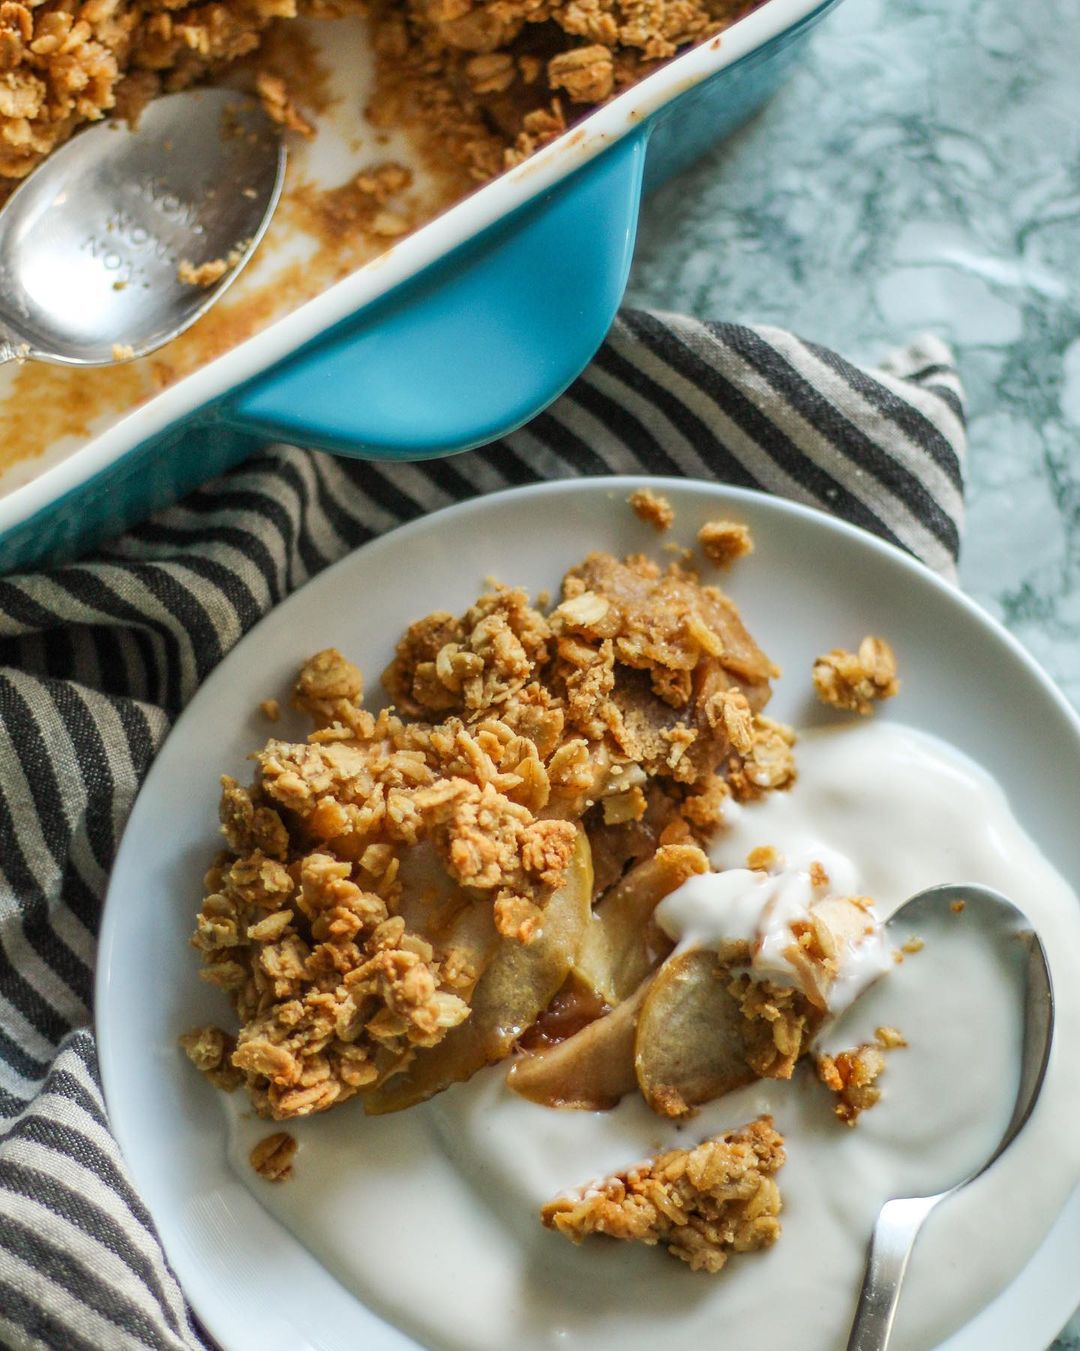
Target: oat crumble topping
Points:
x,y
488,81
855,680
702,1204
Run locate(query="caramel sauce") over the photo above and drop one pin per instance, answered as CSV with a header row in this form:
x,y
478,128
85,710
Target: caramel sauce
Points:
x,y
573,1008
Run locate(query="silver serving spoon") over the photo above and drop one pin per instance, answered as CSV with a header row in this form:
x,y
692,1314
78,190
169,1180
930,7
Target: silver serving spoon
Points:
x,y
900,1220
92,243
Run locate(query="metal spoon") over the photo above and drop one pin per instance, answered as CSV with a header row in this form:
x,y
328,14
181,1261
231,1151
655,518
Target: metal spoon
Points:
x,y
92,242
900,1220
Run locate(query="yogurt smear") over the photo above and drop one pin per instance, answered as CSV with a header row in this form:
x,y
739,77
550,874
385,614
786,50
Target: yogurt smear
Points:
x,y
431,1217
740,905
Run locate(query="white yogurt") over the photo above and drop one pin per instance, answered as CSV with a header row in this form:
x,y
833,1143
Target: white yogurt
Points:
x,y
430,1216
746,905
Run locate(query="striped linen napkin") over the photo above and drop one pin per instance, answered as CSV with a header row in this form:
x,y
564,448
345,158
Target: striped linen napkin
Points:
x,y
98,657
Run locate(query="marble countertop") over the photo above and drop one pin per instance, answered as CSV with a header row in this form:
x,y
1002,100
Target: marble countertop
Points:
x,y
921,171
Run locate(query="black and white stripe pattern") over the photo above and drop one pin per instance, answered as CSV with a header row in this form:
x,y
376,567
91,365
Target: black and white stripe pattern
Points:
x,y
97,658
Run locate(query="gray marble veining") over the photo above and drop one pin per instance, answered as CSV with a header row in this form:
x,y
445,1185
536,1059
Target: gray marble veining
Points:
x,y
922,171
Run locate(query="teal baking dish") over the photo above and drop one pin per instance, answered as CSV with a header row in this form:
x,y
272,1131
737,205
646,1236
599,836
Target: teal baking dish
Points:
x,y
458,334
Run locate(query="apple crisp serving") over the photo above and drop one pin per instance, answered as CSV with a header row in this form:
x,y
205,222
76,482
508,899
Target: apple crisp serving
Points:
x,y
492,80
480,871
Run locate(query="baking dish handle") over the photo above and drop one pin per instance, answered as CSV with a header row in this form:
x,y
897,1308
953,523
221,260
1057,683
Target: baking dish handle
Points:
x,y
475,345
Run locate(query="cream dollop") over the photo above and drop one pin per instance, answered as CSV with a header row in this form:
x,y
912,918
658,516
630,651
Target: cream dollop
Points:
x,y
768,910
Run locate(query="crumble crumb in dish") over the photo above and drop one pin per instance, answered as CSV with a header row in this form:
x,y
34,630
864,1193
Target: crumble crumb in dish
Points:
x,y
724,542
852,1075
507,864
201,274
212,271
652,508
856,680
702,1204
272,1158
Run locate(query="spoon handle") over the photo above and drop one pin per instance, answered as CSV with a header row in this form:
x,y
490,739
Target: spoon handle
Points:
x,y
898,1223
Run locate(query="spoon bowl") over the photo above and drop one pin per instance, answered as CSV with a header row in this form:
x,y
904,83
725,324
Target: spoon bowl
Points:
x,y
900,1219
92,243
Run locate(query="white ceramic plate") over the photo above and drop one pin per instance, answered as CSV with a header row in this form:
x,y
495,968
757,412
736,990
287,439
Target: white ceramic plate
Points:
x,y
810,581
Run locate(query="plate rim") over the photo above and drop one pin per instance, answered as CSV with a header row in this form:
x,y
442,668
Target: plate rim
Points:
x,y
613,487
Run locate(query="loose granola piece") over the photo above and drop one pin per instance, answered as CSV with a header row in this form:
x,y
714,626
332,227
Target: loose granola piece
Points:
x,y
913,945
852,1075
764,858
122,351
855,680
958,907
723,542
211,271
201,274
652,508
270,709
702,1204
210,1050
272,1158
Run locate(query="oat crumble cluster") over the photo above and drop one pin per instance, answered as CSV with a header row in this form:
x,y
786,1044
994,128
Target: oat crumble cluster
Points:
x,y
856,680
491,80
852,1075
68,62
272,1158
702,1204
724,542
